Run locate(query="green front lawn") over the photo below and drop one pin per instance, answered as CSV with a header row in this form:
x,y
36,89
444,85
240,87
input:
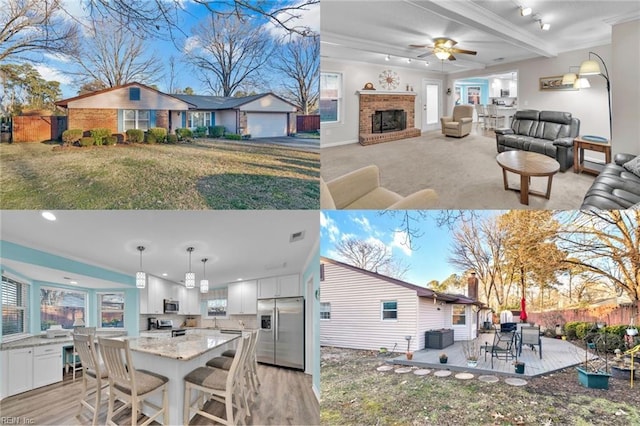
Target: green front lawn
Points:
x,y
202,175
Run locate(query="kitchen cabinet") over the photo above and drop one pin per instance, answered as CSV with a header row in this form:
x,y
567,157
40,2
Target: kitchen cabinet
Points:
x,y
153,295
513,88
242,298
17,371
283,286
189,299
47,365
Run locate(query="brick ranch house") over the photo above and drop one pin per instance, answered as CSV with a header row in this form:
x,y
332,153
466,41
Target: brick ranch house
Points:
x,y
136,106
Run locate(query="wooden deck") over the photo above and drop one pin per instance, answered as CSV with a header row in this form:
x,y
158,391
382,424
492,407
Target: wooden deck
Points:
x,y
556,355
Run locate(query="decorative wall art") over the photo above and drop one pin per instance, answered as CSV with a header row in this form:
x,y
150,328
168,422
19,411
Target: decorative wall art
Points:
x,y
554,83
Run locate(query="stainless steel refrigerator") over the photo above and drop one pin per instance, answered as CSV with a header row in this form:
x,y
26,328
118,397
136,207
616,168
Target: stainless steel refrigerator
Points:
x,y
281,337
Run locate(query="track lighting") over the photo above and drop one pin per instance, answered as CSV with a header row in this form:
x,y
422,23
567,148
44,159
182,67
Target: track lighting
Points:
x,y
525,11
387,58
544,26
408,60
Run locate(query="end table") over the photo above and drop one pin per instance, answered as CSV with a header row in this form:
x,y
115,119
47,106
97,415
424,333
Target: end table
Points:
x,y
579,145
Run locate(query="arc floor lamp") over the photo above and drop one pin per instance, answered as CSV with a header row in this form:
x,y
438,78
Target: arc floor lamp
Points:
x,y
591,67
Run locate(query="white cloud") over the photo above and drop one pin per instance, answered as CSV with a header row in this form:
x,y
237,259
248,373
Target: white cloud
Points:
x,y
330,226
364,223
190,44
51,74
400,241
59,57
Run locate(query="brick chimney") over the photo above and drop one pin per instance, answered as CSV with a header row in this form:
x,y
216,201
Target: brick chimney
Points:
x,y
472,286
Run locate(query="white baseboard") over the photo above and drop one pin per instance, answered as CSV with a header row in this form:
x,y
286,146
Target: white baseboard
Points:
x,y
316,392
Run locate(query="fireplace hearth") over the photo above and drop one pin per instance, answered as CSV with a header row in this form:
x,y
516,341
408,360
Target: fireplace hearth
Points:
x,y
391,120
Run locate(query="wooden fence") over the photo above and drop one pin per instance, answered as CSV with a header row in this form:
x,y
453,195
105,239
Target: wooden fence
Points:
x,y
307,123
38,128
610,314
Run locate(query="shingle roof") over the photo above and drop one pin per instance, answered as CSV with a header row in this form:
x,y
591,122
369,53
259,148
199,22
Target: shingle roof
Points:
x,y
221,102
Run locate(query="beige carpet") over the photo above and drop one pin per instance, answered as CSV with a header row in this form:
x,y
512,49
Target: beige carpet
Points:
x,y
463,171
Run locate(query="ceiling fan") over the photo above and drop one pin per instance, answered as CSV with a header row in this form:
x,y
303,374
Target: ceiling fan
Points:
x,y
443,49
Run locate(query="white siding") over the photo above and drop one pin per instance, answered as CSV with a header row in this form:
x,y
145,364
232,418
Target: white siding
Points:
x,y
467,331
227,119
355,311
268,103
430,317
119,99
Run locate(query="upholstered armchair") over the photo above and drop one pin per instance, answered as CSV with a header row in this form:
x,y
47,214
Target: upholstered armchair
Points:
x,y
361,189
459,124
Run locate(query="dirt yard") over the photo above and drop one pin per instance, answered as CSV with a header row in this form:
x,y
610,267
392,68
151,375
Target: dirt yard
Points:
x,y
353,392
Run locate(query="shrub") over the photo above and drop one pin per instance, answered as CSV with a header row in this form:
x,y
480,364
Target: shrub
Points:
x,y
216,131
71,136
172,138
87,141
570,330
110,140
619,330
99,134
184,133
150,138
247,136
584,330
135,135
200,132
233,136
158,133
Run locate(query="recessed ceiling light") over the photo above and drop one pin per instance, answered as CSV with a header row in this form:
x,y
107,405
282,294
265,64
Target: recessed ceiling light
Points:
x,y
239,279
73,282
164,274
49,216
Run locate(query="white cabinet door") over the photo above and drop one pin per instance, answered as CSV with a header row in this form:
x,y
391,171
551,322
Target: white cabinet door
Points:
x,y
157,290
513,89
268,288
234,298
241,298
289,286
250,298
18,370
47,365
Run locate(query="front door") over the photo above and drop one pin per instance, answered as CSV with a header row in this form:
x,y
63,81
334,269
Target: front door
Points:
x,y
431,104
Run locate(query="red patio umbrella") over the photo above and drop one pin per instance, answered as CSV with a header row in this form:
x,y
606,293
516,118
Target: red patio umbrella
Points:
x,y
523,310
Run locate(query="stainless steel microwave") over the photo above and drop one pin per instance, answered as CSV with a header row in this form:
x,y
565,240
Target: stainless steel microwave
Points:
x,y
171,306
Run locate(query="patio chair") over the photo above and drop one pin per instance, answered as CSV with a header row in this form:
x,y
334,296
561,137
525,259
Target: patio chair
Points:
x,y
530,336
503,347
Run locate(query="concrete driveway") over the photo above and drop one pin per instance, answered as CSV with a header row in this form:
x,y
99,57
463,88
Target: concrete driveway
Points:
x,y
312,145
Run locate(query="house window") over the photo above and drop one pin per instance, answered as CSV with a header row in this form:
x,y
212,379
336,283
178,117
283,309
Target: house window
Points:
x,y
15,307
134,93
217,303
61,306
198,119
389,310
111,310
330,97
325,310
135,119
322,272
459,315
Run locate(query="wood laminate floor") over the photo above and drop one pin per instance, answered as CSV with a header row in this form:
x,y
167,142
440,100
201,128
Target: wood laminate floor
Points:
x,y
285,398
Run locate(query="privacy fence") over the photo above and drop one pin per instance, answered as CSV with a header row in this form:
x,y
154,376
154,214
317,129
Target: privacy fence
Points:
x,y
307,123
610,314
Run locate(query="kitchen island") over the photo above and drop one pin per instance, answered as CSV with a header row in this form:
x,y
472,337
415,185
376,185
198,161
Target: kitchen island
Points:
x,y
174,358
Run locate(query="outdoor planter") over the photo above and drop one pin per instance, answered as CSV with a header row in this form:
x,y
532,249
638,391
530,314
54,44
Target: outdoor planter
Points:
x,y
472,363
593,380
519,367
443,358
438,339
623,373
409,355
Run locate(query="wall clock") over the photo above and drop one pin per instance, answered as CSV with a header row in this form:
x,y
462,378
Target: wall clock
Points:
x,y
389,79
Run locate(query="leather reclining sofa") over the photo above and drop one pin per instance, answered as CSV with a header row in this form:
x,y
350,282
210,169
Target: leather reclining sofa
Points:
x,y
546,132
614,188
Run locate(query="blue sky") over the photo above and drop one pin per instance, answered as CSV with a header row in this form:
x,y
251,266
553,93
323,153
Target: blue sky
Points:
x,y
52,66
427,260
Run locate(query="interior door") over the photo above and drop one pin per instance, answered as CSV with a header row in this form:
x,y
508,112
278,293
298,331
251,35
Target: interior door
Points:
x,y
431,104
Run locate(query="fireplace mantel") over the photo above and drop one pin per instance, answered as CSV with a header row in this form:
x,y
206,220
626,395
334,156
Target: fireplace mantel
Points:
x,y
384,92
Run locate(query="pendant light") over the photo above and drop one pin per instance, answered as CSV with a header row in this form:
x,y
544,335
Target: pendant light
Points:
x,y
141,277
204,282
190,277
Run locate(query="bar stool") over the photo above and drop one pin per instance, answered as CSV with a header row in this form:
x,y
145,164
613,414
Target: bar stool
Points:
x,y
75,364
492,112
220,385
482,115
130,385
252,363
86,350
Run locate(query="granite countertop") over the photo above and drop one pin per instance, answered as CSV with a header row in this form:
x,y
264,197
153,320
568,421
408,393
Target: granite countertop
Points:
x,y
40,340
180,348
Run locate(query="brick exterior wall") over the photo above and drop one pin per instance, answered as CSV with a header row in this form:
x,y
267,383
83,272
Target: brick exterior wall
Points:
x,y
242,125
162,119
369,104
90,118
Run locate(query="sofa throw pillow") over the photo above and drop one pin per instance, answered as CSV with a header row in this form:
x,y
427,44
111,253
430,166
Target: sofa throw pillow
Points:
x,y
633,166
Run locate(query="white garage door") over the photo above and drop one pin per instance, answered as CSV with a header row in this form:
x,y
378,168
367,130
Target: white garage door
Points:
x,y
264,125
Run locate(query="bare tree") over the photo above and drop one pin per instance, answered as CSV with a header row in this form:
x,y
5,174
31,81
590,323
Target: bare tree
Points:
x,y
228,53
298,61
28,26
172,77
371,257
113,58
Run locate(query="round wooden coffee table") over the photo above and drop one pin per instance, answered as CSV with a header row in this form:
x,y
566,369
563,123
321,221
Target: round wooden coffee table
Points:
x,y
527,164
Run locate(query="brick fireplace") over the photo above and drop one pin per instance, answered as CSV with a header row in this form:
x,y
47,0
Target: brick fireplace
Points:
x,y
372,102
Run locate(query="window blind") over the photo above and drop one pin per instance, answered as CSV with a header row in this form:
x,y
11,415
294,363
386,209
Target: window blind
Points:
x,y
15,301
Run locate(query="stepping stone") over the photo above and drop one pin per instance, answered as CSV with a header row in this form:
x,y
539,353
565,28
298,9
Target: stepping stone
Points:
x,y
422,372
488,379
385,368
515,382
464,376
403,370
442,373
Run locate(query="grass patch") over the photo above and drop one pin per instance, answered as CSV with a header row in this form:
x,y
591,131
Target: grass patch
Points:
x,y
203,175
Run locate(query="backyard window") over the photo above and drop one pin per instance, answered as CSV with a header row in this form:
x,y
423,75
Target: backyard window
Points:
x,y
15,297
325,310
389,310
61,306
135,119
217,303
111,310
459,316
330,97
198,119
